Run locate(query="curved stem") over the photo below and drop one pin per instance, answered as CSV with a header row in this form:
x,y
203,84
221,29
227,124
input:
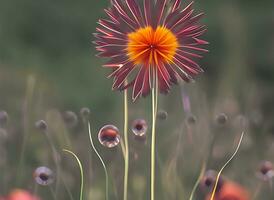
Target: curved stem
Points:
x,y
126,150
100,158
224,166
81,171
153,135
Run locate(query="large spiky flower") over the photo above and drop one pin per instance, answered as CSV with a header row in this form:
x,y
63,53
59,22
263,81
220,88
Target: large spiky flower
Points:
x,y
148,40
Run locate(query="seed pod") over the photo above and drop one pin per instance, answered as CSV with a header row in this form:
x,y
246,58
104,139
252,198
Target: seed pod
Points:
x,y
266,172
109,136
221,119
191,120
139,127
41,125
162,115
85,112
70,118
43,176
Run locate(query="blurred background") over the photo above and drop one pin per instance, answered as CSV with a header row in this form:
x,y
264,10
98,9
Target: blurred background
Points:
x,y
49,71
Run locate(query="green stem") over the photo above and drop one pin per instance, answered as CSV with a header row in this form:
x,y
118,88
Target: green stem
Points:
x,y
224,166
153,135
126,150
81,172
100,158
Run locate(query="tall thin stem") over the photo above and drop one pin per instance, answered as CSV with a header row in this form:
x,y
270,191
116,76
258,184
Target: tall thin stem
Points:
x,y
153,134
100,158
126,151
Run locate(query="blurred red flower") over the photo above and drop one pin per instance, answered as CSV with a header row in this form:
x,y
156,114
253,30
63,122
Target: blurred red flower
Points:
x,y
21,195
231,191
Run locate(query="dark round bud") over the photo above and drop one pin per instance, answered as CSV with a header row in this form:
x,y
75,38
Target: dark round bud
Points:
x,y
209,180
221,119
41,125
85,112
191,119
3,117
43,176
70,118
266,170
139,127
162,115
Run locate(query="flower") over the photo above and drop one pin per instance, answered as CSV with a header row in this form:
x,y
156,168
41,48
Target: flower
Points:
x,y
21,195
150,41
230,191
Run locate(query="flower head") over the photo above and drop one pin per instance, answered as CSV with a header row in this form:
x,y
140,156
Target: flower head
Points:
x,y
150,40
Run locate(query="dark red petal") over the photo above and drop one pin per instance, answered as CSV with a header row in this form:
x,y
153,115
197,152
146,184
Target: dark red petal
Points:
x,y
135,11
121,9
177,15
147,82
122,76
182,74
188,23
186,68
188,62
159,8
147,12
173,74
137,88
114,17
111,26
163,79
189,53
116,61
181,20
193,48
176,5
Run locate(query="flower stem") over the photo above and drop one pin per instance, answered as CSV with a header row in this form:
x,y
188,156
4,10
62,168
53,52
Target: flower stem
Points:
x,y
126,151
100,158
153,135
81,172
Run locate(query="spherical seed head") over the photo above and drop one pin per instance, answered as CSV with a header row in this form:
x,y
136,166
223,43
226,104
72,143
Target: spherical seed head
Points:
x,y
139,127
70,118
3,117
41,125
109,136
191,119
221,119
43,176
209,180
162,115
85,112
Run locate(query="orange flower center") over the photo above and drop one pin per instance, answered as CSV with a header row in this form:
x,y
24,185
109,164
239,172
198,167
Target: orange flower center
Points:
x,y
149,46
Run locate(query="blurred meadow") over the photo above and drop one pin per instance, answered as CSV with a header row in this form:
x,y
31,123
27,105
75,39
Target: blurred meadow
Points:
x,y
49,71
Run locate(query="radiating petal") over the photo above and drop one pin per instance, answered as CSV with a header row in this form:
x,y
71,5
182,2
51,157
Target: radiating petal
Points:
x,y
138,84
